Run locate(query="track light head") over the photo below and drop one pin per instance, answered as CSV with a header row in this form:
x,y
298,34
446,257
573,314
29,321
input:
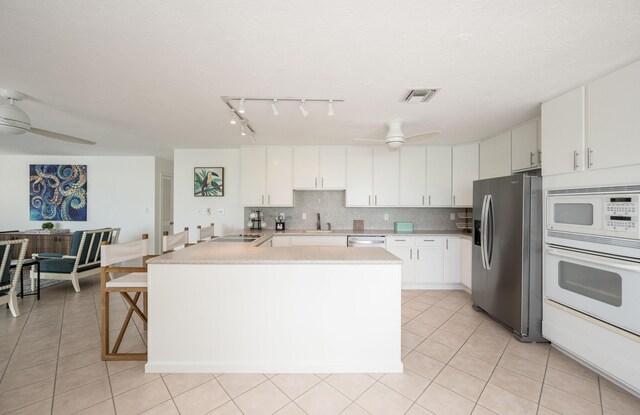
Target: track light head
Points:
x,y
233,120
243,130
303,110
331,112
274,107
241,108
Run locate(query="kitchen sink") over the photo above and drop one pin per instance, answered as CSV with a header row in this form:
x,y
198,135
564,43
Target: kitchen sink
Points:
x,y
317,231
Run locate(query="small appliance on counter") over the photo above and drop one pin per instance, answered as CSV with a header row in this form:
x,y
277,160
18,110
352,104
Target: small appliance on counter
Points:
x,y
256,220
403,226
280,218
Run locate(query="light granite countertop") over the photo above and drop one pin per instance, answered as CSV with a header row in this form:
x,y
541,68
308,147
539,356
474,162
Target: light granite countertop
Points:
x,y
367,232
252,253
248,253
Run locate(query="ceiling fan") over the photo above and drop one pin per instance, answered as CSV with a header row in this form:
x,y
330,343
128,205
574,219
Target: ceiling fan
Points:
x,y
15,121
395,137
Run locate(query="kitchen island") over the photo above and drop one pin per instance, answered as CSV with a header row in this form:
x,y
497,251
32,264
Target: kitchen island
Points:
x,y
244,308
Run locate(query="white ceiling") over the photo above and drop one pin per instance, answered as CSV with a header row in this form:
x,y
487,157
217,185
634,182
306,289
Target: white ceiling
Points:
x,y
145,77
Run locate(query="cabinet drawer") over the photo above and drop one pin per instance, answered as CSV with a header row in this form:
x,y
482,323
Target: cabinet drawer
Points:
x,y
400,240
427,241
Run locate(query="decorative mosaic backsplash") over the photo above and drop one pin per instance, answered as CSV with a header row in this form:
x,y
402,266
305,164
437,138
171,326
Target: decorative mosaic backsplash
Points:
x,y
331,206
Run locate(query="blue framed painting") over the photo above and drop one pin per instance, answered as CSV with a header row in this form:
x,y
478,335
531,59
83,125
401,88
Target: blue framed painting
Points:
x,y
58,192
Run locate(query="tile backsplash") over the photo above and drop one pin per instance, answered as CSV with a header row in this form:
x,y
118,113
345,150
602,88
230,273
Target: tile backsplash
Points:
x,y
331,206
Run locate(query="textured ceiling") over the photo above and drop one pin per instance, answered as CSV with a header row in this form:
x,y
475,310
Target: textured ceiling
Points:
x,y
145,77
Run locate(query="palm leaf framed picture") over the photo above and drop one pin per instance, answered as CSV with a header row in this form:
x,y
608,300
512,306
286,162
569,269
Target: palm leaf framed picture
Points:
x,y
208,181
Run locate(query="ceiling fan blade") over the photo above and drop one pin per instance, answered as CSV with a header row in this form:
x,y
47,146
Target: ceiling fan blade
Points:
x,y
374,140
58,136
424,136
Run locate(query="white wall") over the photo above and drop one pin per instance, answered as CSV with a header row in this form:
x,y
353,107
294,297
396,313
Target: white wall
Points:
x,y
120,193
186,206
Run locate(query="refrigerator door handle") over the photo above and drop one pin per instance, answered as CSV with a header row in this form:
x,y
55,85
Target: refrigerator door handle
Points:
x,y
483,224
490,233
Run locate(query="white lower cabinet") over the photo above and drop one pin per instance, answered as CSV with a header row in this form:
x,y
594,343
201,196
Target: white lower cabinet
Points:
x,y
465,262
452,264
429,261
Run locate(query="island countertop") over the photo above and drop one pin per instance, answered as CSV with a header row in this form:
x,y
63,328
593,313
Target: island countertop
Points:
x,y
248,253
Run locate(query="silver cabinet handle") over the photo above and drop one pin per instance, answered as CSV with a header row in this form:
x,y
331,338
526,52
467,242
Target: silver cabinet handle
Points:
x,y
589,157
316,182
262,200
531,158
269,199
322,180
400,240
575,160
447,242
539,157
429,200
369,200
454,200
422,200
410,253
418,251
428,240
376,198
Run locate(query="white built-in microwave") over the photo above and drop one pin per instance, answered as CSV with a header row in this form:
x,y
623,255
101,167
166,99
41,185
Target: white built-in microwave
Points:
x,y
610,214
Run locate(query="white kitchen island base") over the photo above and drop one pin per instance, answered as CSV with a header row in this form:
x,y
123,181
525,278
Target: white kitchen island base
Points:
x,y
274,318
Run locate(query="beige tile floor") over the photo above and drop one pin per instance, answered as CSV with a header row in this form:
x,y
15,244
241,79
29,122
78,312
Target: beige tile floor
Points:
x,y
456,362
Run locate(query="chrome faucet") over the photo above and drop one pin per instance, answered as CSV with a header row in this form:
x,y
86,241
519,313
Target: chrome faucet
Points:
x,y
318,227
328,226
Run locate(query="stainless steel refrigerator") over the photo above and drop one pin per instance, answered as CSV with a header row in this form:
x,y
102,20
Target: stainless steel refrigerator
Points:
x,y
507,253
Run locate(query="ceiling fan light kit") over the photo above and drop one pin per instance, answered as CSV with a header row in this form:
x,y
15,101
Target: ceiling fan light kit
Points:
x,y
14,120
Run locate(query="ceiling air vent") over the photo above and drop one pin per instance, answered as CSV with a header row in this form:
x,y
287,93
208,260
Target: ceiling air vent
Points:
x,y
416,96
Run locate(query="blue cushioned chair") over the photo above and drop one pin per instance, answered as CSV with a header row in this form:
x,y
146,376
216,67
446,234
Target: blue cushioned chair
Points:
x,y
8,283
83,261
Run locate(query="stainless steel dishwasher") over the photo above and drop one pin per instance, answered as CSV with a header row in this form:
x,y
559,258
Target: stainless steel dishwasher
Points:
x,y
366,241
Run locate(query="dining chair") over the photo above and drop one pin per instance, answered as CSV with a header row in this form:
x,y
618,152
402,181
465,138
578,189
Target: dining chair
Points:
x,y
8,283
83,260
134,281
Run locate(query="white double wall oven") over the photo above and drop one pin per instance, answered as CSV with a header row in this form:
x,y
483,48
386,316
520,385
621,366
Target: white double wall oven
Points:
x,y
592,253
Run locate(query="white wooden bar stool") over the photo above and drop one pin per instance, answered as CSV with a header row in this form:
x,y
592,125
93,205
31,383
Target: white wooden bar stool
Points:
x,y
176,241
205,234
134,281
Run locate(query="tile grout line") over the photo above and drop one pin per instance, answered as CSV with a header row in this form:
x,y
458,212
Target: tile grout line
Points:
x,y
55,374
15,346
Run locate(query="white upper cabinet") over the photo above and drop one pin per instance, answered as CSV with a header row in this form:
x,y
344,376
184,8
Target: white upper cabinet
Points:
x,y
487,159
359,176
266,176
319,167
333,167
465,171
386,177
439,176
306,164
279,176
253,184
413,176
495,156
502,155
524,147
562,129
613,119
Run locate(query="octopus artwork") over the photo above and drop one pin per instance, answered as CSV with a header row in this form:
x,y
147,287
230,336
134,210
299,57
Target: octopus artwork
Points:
x,y
58,192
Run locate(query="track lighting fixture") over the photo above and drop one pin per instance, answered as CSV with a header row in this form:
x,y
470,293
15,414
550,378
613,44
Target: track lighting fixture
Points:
x,y
274,107
241,108
330,112
233,120
243,130
303,110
